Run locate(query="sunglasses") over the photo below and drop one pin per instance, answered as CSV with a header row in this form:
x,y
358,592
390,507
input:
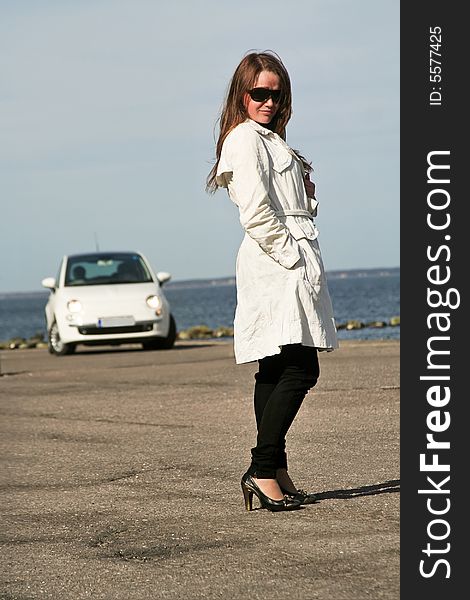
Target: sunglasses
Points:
x,y
261,94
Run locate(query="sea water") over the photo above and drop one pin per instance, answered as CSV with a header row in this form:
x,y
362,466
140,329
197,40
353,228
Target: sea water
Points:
x,y
366,296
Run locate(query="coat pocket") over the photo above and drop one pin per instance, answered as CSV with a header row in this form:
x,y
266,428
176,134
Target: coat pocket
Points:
x,y
281,159
311,264
301,228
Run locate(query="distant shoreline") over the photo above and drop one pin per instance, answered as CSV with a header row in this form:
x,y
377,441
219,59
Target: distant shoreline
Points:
x,y
230,280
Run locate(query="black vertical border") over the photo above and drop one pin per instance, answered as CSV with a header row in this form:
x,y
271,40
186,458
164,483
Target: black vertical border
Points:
x,y
423,129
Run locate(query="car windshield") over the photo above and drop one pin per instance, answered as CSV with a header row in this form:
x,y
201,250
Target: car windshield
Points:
x,y
105,269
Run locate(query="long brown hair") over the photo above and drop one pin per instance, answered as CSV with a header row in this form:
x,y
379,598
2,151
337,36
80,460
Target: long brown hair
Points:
x,y
234,110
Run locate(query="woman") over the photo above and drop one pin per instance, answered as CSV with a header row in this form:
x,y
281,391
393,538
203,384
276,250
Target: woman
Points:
x,y
284,312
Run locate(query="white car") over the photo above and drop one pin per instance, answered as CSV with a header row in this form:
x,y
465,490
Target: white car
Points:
x,y
104,298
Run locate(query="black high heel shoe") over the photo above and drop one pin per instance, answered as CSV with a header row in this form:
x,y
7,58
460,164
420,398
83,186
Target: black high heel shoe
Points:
x,y
250,487
300,496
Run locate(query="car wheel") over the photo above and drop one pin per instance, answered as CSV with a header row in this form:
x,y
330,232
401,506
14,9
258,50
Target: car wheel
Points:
x,y
169,341
164,343
56,345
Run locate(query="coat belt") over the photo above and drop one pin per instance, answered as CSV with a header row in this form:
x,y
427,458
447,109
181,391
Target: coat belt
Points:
x,y
294,213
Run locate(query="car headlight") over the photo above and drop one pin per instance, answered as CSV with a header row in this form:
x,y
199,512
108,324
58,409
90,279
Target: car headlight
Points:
x,y
155,303
74,306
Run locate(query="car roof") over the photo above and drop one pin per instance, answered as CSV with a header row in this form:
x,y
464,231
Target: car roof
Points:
x,y
110,253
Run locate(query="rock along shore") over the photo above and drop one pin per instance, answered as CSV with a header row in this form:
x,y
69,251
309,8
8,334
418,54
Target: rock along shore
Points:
x,y
196,332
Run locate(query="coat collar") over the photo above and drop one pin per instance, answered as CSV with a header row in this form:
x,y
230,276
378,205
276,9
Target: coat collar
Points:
x,y
281,153
259,128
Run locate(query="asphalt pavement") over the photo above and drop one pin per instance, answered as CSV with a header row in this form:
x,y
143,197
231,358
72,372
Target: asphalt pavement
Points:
x,y
121,478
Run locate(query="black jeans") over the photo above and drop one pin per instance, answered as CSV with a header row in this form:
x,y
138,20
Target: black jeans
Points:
x,y
282,383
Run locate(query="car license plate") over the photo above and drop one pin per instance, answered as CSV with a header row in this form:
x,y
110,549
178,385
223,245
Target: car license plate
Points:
x,y
116,321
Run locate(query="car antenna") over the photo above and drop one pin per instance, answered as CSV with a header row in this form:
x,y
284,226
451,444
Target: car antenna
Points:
x,y
96,242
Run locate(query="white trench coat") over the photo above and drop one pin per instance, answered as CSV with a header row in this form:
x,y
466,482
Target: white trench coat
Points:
x,y
282,293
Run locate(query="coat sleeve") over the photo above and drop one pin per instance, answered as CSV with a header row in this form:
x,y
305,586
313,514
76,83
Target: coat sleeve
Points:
x,y
247,159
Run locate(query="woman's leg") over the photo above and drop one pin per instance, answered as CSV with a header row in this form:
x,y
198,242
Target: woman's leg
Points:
x,y
269,371
281,385
267,378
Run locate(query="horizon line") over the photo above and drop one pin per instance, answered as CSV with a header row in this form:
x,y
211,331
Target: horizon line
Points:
x,y
178,281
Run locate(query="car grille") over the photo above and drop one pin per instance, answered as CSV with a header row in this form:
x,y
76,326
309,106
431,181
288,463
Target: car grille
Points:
x,y
137,328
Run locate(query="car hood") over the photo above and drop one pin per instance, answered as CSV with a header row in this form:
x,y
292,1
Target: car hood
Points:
x,y
118,292
120,299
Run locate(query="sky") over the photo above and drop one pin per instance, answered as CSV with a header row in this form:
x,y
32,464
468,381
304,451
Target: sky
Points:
x,y
108,113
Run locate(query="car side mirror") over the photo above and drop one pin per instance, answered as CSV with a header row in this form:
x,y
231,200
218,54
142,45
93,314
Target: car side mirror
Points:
x,y
49,283
163,277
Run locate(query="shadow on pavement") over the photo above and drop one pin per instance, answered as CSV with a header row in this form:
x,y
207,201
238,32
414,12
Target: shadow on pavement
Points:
x,y
117,349
387,487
